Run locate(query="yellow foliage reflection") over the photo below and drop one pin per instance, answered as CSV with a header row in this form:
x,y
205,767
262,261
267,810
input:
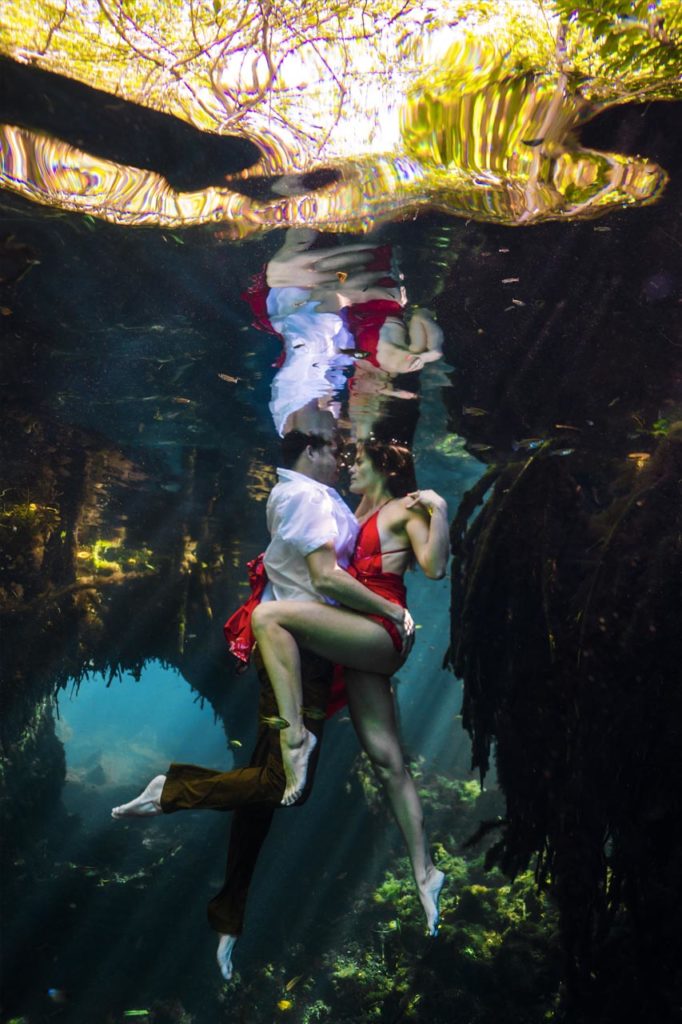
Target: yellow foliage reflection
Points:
x,y
465,107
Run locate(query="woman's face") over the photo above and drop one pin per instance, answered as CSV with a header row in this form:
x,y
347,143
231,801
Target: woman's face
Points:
x,y
363,476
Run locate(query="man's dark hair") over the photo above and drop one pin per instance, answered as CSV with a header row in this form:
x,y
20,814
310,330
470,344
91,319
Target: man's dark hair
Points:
x,y
295,443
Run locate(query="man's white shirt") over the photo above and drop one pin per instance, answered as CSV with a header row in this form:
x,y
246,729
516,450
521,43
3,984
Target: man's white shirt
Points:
x,y
302,516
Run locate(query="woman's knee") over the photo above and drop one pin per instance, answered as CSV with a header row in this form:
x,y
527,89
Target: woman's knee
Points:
x,y
262,617
387,764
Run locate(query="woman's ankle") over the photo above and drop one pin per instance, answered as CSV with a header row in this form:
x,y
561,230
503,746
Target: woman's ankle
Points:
x,y
295,735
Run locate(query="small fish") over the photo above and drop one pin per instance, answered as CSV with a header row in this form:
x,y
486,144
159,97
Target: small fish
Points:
x,y
533,142
604,228
317,714
503,250
473,410
235,743
529,443
510,280
293,983
639,456
228,378
518,302
179,400
563,451
342,275
57,995
480,447
5,310
565,426
274,722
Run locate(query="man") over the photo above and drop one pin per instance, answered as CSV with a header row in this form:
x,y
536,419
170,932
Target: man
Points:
x,y
312,537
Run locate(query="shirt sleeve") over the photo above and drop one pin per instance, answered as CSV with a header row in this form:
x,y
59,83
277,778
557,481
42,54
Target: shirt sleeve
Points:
x,y
307,521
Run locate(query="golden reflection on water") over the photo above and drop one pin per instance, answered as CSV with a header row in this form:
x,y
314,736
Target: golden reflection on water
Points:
x,y
467,108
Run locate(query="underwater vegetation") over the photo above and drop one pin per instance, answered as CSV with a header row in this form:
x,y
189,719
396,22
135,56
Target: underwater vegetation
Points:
x,y
497,956
571,674
566,589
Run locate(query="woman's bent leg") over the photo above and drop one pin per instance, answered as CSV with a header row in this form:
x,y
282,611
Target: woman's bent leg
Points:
x,y
334,633
282,661
373,712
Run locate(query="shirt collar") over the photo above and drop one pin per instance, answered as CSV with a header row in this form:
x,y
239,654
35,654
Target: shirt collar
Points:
x,y
291,474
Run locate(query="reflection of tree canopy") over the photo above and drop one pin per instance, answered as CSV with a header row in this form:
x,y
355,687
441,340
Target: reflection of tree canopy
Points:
x,y
474,118
222,66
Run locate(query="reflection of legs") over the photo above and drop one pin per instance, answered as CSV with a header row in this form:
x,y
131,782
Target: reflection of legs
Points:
x,y
373,712
342,636
250,824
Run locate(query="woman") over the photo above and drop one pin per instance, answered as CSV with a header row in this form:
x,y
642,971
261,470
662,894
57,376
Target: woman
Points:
x,y
399,524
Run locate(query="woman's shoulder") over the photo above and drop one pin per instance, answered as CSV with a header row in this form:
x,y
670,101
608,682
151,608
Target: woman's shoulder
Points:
x,y
398,511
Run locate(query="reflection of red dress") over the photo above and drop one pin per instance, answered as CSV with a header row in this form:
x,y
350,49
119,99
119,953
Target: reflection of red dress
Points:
x,y
364,321
367,569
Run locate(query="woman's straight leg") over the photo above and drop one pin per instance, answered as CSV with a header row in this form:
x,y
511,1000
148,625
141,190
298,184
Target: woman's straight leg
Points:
x,y
372,709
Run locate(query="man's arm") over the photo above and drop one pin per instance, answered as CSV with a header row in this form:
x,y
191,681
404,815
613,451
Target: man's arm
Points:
x,y
330,580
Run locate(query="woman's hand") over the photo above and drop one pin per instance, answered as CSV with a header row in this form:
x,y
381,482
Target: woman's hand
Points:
x,y
429,501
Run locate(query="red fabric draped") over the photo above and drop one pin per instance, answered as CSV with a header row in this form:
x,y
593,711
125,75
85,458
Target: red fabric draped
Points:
x,y
237,629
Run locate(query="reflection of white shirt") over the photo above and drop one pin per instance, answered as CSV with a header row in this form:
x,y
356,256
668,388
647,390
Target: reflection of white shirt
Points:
x,y
303,515
313,347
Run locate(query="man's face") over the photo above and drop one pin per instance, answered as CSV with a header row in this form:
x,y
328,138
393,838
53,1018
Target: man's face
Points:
x,y
324,463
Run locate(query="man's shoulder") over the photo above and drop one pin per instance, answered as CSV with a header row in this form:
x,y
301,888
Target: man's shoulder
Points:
x,y
289,496
288,488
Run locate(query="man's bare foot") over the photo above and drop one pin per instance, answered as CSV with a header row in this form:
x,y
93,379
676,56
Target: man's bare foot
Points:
x,y
295,760
224,955
146,805
429,895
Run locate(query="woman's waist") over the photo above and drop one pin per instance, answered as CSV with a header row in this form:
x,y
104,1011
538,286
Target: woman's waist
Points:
x,y
389,584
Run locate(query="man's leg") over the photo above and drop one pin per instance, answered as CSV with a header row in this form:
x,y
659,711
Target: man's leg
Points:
x,y
251,822
189,787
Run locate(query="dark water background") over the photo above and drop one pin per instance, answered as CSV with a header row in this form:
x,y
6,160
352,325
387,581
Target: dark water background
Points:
x,y
102,335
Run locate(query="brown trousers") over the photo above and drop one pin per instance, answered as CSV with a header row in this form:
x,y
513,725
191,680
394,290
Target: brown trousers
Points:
x,y
253,793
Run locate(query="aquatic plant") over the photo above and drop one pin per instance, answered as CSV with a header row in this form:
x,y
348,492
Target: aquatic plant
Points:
x,y
573,684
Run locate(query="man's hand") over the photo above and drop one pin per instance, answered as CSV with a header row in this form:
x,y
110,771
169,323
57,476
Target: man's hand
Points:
x,y
406,629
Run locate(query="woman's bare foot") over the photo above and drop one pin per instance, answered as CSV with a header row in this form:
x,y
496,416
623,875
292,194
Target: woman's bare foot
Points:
x,y
224,955
429,896
146,805
295,759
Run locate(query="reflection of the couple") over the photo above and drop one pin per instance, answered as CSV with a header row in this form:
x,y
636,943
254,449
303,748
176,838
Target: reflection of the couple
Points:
x,y
328,609
340,310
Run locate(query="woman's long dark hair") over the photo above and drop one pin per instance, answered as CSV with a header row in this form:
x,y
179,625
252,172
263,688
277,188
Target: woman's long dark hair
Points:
x,y
394,461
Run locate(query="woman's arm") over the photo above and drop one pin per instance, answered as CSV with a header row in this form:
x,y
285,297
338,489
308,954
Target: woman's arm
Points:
x,y
429,532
